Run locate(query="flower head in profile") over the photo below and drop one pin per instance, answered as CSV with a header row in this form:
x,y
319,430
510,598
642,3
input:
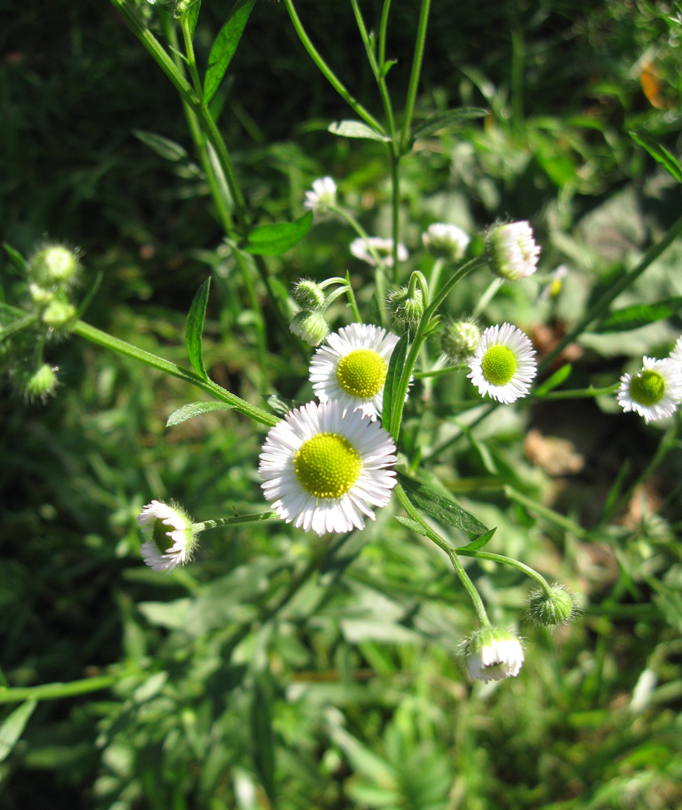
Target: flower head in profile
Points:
x,y
172,539
555,607
503,365
324,468
322,196
351,367
362,249
492,655
676,353
512,251
459,340
653,392
311,327
447,241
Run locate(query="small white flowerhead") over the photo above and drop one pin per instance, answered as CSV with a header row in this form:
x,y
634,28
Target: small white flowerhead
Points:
x,y
59,315
459,340
503,365
352,366
676,353
553,608
511,251
308,294
653,392
311,327
172,539
360,248
54,264
447,241
322,196
492,655
553,288
324,467
406,311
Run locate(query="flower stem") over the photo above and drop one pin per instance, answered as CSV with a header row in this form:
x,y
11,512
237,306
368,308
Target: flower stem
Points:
x,y
510,561
237,520
549,514
416,71
52,691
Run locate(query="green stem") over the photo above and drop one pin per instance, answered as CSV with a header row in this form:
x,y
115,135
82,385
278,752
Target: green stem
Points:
x,y
582,393
238,520
52,691
416,71
94,335
351,300
510,561
487,296
17,326
383,28
434,276
549,514
470,589
438,372
189,52
328,73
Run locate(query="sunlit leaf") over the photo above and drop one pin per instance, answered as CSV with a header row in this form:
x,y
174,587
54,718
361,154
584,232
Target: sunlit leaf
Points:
x,y
195,328
225,45
193,409
275,239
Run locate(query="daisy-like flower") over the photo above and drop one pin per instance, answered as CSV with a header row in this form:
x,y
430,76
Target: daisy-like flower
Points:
x,y
503,364
171,535
384,247
512,252
676,353
446,240
352,366
324,468
653,392
493,654
322,196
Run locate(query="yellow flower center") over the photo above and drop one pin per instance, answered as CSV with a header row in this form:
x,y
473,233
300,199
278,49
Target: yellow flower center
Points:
x,y
362,373
327,466
498,365
647,387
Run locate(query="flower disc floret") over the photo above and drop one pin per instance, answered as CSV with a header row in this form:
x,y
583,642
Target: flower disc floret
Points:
x,y
172,539
503,365
493,654
655,391
324,468
512,251
351,367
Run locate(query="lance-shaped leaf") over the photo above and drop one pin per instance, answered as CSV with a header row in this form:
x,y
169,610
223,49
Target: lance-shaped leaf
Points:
x,y
448,120
637,315
356,129
225,45
560,376
479,542
193,16
16,258
195,328
165,148
13,727
275,239
659,153
395,367
193,409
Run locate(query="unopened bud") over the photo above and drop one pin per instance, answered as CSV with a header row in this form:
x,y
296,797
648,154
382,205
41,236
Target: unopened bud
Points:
x,y
54,265
40,295
38,383
406,310
308,294
310,327
446,241
556,607
511,251
58,314
493,654
459,340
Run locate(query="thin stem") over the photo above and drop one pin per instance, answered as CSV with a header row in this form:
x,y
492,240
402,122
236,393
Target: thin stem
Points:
x,y
383,28
189,52
437,372
51,691
361,232
549,514
395,208
238,520
487,296
581,393
470,589
416,71
328,73
510,561
434,276
351,300
94,335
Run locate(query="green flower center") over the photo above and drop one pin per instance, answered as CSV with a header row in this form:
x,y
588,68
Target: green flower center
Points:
x,y
647,387
362,373
161,537
498,365
327,465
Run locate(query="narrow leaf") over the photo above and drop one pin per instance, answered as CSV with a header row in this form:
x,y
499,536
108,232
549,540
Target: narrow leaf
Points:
x,y
193,16
17,326
275,239
479,542
554,381
225,45
165,148
195,328
263,737
356,129
448,120
16,258
387,66
410,524
12,728
195,409
441,507
395,367
659,153
638,315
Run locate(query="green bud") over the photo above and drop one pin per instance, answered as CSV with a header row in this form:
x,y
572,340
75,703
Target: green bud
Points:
x,y
310,327
308,294
40,295
58,314
176,7
36,384
406,311
54,264
511,250
459,340
556,607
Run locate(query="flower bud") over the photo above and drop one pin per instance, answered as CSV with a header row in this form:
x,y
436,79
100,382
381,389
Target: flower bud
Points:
x,y
493,654
58,314
37,384
308,294
446,241
40,295
310,327
511,250
459,340
172,536
54,264
406,311
556,607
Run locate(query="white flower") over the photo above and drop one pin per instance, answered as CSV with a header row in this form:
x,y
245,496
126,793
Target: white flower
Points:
x,y
351,367
324,467
322,196
384,247
493,654
654,391
676,353
503,364
172,539
512,252
448,240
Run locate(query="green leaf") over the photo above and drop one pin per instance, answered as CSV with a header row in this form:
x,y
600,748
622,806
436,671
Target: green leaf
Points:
x,y
17,326
659,153
638,315
554,381
165,148
275,239
479,542
225,45
410,524
193,16
356,129
263,736
395,367
16,258
387,66
195,328
441,507
448,120
193,409
12,728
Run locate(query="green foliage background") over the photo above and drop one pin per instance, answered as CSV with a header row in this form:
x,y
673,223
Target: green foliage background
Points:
x,y
280,671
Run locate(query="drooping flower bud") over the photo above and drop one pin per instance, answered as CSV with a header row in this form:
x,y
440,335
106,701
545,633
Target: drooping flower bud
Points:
x,y
459,340
311,327
54,264
446,241
36,384
308,294
493,654
406,310
172,538
511,250
556,607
